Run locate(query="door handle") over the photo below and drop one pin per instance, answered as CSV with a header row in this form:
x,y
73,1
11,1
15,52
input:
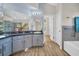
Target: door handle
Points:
x,y
73,35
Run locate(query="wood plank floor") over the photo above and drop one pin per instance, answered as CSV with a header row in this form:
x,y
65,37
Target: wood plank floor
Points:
x,y
50,48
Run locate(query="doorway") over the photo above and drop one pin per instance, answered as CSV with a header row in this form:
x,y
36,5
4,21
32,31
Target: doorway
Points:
x,y
48,26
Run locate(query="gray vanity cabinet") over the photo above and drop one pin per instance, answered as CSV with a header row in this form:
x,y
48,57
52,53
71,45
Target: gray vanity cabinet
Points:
x,y
18,43
28,41
37,40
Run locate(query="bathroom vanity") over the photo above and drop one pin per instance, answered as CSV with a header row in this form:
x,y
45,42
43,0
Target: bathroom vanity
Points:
x,y
20,41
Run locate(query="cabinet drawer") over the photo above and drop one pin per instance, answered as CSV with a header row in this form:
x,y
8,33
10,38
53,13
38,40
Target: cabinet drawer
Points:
x,y
28,36
17,37
20,37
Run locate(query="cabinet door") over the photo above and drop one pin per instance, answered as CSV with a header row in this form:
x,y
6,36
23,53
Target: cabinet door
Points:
x,y
68,33
28,41
35,40
40,40
0,49
7,47
18,43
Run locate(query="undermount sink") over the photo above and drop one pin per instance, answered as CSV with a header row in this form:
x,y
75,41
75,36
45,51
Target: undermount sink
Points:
x,y
2,36
37,32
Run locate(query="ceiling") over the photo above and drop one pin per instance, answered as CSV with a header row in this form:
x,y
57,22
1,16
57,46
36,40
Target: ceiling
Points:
x,y
18,11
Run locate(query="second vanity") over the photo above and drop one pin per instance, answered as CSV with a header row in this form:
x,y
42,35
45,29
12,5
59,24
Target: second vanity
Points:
x,y
20,41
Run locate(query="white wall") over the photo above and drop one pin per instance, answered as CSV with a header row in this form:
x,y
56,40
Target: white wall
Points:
x,y
54,28
58,38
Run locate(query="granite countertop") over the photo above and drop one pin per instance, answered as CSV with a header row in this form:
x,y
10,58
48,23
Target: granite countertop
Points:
x,y
12,34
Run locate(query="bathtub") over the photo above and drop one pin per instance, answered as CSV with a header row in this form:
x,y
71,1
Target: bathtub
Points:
x,y
72,47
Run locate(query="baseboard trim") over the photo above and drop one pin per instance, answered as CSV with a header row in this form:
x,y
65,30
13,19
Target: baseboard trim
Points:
x,y
66,52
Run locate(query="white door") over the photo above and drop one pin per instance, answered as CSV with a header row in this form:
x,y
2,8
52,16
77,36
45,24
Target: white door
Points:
x,y
51,27
46,25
